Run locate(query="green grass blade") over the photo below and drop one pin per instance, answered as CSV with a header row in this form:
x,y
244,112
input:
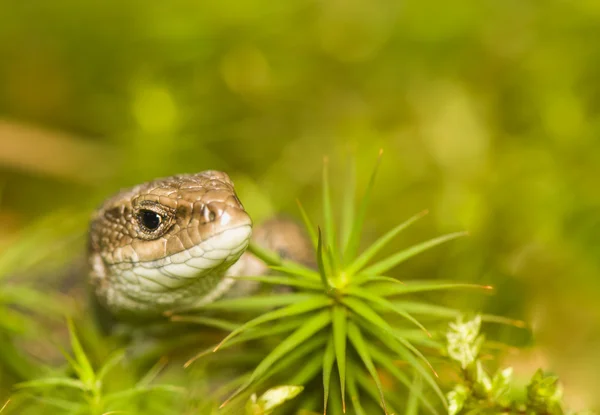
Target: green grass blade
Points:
x,y
387,305
360,346
306,331
380,243
348,210
84,367
310,228
328,358
207,321
314,303
283,280
390,262
351,247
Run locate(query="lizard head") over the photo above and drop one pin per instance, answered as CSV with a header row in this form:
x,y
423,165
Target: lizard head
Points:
x,y
167,243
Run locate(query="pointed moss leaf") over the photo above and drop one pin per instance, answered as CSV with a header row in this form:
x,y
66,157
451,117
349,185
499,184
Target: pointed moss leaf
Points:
x,y
437,311
267,256
361,309
297,270
256,302
274,328
348,210
84,367
110,363
328,358
391,289
365,279
253,334
367,385
129,394
305,331
379,244
322,262
361,348
387,305
309,369
391,307
387,362
154,371
351,247
412,406
62,404
339,321
429,310
353,393
415,351
308,224
390,341
303,355
53,382
282,280
328,216
332,260
390,262
206,321
292,310
308,329
335,403
418,337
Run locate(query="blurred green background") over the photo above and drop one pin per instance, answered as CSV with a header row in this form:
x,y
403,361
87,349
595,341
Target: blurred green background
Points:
x,y
487,112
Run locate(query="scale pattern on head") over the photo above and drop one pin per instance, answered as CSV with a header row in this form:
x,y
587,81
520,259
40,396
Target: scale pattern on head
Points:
x,y
167,243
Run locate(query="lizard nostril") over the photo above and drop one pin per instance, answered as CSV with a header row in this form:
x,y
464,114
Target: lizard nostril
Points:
x,y
210,213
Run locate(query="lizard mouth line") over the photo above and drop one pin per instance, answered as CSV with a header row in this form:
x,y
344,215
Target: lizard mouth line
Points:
x,y
203,244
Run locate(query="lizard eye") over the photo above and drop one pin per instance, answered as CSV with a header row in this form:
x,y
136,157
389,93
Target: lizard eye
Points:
x,y
149,219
